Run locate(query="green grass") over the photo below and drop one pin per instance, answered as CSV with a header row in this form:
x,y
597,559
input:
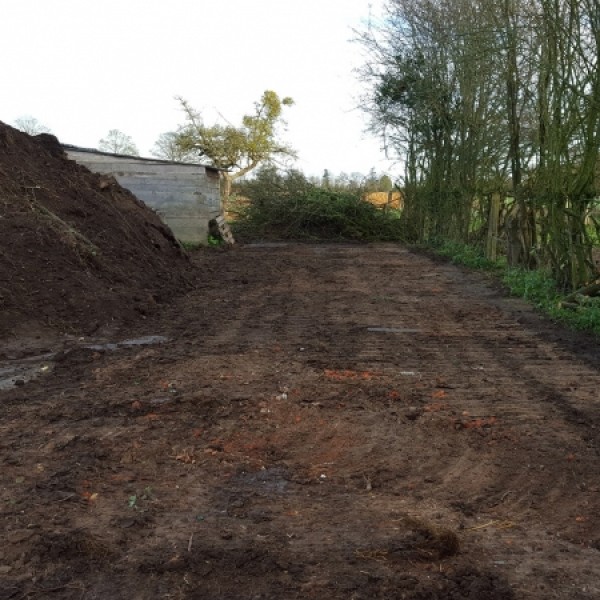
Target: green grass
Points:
x,y
211,242
190,246
538,288
466,255
215,242
534,286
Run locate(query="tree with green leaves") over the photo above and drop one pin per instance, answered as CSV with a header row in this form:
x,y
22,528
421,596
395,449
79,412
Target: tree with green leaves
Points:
x,y
237,150
118,142
564,183
385,184
493,108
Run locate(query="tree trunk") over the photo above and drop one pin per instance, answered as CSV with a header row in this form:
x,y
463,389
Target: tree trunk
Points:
x,y
226,183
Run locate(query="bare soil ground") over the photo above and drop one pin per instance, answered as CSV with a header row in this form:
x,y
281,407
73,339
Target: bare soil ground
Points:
x,y
319,421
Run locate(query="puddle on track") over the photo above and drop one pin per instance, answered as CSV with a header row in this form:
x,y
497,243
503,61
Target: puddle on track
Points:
x,y
14,373
147,340
392,330
20,371
267,481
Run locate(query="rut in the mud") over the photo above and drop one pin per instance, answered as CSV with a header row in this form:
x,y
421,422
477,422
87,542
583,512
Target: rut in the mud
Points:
x,y
317,421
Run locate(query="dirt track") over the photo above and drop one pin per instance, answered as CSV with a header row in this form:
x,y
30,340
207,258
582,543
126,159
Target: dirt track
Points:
x,y
349,422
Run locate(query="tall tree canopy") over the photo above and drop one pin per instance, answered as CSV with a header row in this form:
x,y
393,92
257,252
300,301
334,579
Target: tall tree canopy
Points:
x,y
488,100
237,150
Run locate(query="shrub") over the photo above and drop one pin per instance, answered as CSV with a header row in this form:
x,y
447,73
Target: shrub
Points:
x,y
289,207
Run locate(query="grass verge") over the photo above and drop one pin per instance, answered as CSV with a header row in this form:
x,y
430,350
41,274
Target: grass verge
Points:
x,y
537,287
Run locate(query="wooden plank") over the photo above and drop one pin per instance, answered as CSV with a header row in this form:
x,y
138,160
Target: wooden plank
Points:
x,y
225,230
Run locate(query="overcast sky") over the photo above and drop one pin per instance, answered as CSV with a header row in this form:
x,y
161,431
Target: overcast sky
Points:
x,y
83,67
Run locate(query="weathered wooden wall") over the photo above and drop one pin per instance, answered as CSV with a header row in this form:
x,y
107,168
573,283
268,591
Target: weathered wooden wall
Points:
x,y
186,196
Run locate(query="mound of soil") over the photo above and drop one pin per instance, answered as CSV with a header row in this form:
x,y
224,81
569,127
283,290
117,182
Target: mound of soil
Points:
x,y
78,253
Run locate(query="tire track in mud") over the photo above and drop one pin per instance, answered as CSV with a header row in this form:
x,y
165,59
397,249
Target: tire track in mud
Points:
x,y
486,389
334,408
492,363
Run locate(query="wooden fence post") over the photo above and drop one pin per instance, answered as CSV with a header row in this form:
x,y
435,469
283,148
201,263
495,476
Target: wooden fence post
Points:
x,y
491,246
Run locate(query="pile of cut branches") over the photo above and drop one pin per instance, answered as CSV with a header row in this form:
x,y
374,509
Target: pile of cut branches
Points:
x,y
584,296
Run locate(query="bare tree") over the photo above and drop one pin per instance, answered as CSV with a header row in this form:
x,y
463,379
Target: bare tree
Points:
x,y
167,147
30,125
118,142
